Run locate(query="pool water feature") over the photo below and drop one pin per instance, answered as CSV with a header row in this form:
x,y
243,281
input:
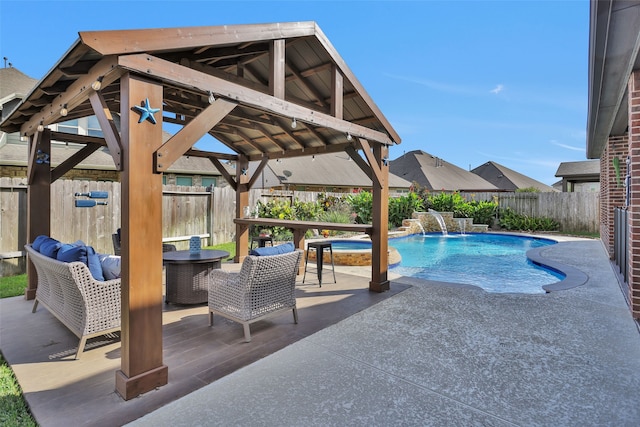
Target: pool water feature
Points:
x,y
353,253
494,262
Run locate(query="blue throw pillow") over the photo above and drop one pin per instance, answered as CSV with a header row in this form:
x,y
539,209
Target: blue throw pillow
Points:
x,y
71,253
273,250
50,247
95,267
38,242
86,254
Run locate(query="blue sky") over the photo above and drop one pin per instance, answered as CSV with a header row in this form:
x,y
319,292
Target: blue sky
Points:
x,y
467,81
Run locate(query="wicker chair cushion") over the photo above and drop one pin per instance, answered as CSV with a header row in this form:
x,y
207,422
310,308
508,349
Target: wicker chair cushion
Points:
x,y
50,247
111,268
70,252
284,248
38,242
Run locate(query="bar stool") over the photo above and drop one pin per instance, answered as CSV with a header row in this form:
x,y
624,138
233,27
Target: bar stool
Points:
x,y
319,247
262,241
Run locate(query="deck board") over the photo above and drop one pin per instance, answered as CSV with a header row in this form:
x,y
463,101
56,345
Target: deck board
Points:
x,y
61,391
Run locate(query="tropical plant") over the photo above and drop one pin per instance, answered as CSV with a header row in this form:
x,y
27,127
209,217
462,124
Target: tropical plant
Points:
x,y
361,204
403,207
511,220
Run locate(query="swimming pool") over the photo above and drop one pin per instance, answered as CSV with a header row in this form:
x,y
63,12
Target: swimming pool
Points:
x,y
494,262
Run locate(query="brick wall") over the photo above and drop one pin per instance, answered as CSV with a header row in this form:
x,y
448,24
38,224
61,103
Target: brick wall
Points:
x,y
611,191
634,202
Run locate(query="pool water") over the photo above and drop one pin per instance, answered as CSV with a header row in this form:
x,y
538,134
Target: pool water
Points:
x,y
494,262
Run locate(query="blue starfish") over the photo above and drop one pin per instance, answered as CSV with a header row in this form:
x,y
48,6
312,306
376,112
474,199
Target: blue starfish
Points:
x,y
146,112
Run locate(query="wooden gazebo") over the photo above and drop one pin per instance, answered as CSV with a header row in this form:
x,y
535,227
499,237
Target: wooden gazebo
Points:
x,y
264,91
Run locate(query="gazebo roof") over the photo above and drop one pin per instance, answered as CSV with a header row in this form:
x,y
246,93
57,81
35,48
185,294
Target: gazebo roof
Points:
x,y
237,63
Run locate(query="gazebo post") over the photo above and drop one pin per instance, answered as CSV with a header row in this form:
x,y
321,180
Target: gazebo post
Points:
x,y
242,201
380,221
38,198
142,367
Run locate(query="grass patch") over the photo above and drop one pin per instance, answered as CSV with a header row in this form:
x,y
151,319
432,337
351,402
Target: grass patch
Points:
x,y
13,409
227,247
12,286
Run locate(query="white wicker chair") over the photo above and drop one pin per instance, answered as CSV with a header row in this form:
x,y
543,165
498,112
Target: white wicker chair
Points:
x,y
88,307
264,286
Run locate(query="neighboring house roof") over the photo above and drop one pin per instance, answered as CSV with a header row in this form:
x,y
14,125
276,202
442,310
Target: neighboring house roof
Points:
x,y
587,169
436,174
15,154
14,84
508,179
326,170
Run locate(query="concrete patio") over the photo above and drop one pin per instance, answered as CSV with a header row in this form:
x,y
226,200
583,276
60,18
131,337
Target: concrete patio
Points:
x,y
438,354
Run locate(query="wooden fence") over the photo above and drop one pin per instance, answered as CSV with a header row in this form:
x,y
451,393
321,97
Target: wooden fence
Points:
x,y
190,211
576,212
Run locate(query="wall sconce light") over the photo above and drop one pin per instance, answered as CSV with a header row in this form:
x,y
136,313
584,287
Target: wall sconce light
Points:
x,y
212,98
349,137
64,111
96,85
294,124
40,126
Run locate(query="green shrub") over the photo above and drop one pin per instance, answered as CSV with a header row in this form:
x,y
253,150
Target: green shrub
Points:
x,y
402,207
510,220
361,204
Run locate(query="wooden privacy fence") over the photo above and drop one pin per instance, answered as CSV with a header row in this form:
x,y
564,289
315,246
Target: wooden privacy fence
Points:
x,y
190,211
576,212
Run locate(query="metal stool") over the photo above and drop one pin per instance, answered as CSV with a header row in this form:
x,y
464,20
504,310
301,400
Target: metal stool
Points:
x,y
262,241
319,247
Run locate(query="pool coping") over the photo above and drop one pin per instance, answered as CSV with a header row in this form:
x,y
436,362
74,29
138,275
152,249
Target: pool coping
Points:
x,y
573,276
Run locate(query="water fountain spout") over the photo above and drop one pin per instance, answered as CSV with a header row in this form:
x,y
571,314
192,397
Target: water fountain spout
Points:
x,y
421,228
463,226
440,220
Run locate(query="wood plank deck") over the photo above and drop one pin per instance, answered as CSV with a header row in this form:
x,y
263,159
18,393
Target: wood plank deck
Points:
x,y
62,391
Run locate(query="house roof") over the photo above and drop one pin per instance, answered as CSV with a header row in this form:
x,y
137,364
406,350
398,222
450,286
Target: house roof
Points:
x,y
614,43
508,179
326,170
586,168
14,84
15,154
436,174
243,64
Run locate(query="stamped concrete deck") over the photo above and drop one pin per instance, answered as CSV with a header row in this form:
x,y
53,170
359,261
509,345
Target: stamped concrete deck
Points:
x,y
443,355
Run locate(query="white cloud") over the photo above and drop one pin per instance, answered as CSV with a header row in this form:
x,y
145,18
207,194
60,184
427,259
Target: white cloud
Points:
x,y
568,147
496,90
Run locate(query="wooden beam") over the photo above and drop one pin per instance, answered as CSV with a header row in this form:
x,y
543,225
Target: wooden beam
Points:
x,y
77,139
376,174
38,201
380,221
357,159
183,76
337,93
223,171
182,141
108,126
259,169
119,41
74,95
276,68
73,160
242,201
142,368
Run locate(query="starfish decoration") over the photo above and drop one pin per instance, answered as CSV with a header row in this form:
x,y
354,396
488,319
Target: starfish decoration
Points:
x,y
42,157
146,112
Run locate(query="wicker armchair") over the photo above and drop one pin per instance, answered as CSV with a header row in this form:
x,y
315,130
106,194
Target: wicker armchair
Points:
x,y
88,307
264,286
